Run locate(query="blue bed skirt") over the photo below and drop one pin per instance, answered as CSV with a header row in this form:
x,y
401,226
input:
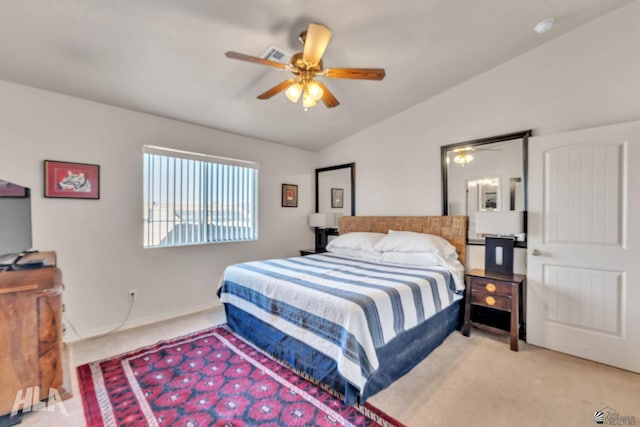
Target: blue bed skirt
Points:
x,y
396,358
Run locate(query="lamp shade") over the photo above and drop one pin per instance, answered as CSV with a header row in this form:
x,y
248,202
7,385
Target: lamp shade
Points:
x,y
321,220
499,222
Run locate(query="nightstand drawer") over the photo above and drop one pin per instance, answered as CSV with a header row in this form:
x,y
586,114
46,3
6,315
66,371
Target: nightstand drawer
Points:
x,y
491,300
492,286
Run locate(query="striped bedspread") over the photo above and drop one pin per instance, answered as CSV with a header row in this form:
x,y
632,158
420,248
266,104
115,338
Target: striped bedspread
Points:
x,y
342,307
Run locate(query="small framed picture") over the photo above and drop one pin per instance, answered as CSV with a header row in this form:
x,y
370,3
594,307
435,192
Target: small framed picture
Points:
x,y
289,196
337,197
71,180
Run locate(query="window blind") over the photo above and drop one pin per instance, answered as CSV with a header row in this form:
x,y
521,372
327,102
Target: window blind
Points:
x,y
192,198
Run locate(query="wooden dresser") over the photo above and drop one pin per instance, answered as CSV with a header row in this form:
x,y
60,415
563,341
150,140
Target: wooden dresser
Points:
x,y
31,330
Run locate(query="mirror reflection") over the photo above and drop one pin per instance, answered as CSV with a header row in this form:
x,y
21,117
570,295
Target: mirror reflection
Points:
x,y
335,189
15,218
485,175
483,195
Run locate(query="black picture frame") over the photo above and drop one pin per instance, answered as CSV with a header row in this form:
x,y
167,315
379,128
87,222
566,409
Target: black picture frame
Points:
x,y
337,198
498,256
289,196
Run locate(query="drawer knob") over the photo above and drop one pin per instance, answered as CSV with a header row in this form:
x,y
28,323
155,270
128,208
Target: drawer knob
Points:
x,y
490,300
490,287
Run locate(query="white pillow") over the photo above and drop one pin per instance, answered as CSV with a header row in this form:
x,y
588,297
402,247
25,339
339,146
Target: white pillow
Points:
x,y
427,259
418,259
354,253
409,241
359,241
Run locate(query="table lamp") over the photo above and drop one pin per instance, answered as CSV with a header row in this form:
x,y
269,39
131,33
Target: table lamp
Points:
x,y
321,222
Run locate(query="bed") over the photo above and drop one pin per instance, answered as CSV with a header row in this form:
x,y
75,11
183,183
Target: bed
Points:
x,y
352,325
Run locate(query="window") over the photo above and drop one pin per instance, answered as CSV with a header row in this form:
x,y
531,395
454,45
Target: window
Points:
x,y
192,199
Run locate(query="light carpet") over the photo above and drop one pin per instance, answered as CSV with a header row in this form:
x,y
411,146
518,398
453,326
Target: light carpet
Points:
x,y
475,381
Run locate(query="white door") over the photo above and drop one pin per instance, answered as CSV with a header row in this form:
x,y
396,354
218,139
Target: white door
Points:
x,y
583,258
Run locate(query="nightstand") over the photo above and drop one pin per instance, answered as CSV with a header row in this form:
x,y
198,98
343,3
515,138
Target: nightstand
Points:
x,y
504,294
304,252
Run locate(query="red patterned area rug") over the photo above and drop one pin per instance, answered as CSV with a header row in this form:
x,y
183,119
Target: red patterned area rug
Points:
x,y
210,378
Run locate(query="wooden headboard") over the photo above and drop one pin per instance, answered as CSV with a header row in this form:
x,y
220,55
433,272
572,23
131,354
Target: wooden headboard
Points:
x,y
451,228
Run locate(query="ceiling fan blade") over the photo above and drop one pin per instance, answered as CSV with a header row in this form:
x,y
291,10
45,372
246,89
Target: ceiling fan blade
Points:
x,y
277,89
315,44
327,97
256,60
355,73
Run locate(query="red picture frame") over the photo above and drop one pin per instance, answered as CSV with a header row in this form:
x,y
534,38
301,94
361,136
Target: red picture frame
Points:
x,y
71,180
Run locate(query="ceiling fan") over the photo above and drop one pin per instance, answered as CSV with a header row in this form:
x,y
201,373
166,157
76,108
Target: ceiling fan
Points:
x,y
306,66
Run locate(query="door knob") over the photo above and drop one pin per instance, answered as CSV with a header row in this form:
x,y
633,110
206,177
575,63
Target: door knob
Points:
x,y
536,252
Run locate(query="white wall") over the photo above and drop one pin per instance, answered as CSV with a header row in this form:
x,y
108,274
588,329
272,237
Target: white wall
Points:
x,y
99,243
586,78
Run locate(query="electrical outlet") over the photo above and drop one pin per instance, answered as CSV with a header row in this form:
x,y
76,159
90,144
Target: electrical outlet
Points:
x,y
132,294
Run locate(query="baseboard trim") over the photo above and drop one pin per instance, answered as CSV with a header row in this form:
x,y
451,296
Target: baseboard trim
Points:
x,y
72,337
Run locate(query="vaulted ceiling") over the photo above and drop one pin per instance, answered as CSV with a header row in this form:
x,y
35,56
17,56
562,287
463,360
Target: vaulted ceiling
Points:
x,y
166,57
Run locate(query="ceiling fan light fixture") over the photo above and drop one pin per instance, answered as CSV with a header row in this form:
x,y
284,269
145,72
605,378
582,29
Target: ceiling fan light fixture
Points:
x,y
463,158
305,66
293,92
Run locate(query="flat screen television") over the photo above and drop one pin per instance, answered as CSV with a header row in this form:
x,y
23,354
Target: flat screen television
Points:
x,y
15,218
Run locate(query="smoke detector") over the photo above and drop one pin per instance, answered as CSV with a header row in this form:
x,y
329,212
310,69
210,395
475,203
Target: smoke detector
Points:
x,y
544,25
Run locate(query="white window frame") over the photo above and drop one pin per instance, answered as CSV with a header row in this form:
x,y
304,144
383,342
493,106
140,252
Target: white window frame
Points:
x,y
193,199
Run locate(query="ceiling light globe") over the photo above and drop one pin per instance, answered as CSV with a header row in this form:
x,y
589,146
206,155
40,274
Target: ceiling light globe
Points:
x,y
293,92
315,91
308,101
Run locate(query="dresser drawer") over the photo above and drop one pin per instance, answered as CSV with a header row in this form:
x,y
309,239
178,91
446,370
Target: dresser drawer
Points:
x,y
491,286
491,300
